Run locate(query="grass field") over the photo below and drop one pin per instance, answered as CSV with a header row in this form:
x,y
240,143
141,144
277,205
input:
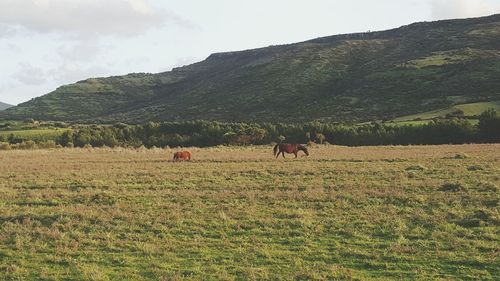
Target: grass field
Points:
x,y
367,213
35,134
469,109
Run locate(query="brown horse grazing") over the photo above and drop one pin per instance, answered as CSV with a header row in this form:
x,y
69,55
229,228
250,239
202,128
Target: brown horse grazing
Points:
x,y
182,155
289,148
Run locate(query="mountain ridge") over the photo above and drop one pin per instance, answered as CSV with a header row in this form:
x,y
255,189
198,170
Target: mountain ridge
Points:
x,y
360,76
4,106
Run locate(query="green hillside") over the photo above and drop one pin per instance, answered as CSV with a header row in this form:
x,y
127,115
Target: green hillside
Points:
x,y
469,110
4,106
357,77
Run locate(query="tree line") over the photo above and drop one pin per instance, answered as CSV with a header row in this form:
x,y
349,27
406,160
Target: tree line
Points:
x,y
208,133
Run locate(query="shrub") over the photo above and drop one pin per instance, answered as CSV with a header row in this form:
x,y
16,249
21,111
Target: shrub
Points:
x,y
479,218
489,126
453,187
26,145
206,133
475,168
416,168
120,125
5,146
61,125
461,156
47,145
65,138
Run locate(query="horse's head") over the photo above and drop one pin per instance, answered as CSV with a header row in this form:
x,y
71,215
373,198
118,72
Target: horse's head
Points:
x,y
303,148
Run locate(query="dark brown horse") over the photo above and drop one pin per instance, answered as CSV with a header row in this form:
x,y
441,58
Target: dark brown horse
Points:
x,y
182,155
289,148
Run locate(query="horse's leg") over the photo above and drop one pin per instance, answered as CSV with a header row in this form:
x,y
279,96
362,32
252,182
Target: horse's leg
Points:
x,y
283,153
295,154
278,154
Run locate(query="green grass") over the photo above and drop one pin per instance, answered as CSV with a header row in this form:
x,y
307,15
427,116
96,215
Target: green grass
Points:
x,y
34,134
470,109
405,123
478,107
438,59
460,56
473,122
32,130
370,213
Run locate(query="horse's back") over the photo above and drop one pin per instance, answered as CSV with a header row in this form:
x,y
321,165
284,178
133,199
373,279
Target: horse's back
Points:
x,y
182,155
288,147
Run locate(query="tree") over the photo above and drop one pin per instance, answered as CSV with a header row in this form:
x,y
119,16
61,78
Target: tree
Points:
x,y
489,126
320,137
65,138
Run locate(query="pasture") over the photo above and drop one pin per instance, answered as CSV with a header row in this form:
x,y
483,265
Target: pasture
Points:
x,y
468,109
36,135
236,213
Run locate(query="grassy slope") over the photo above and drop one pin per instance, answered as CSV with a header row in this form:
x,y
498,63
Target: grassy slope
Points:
x,y
236,213
366,76
470,109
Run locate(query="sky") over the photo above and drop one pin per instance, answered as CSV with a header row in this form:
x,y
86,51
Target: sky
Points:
x,y
48,43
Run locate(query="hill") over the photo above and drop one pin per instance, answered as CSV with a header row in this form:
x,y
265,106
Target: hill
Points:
x,y
4,106
416,68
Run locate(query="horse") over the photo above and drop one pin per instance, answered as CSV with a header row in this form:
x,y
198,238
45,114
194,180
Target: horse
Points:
x,y
289,148
182,155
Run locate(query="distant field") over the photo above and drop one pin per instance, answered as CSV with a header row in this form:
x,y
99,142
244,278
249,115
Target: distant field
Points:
x,y
35,134
404,123
422,122
470,109
366,213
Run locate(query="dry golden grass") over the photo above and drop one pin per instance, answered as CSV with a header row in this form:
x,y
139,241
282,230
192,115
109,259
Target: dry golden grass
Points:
x,y
416,212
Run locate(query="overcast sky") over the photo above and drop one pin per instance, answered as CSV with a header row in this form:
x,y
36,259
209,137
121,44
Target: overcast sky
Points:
x,y
47,43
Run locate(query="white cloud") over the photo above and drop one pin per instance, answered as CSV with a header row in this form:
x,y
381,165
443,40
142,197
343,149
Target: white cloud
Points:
x,y
182,61
71,72
447,9
84,18
82,51
30,75
70,40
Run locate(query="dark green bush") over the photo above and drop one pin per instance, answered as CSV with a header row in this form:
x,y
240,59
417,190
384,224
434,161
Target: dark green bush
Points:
x,y
453,187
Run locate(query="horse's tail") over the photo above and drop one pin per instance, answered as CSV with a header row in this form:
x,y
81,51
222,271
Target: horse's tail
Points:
x,y
275,149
